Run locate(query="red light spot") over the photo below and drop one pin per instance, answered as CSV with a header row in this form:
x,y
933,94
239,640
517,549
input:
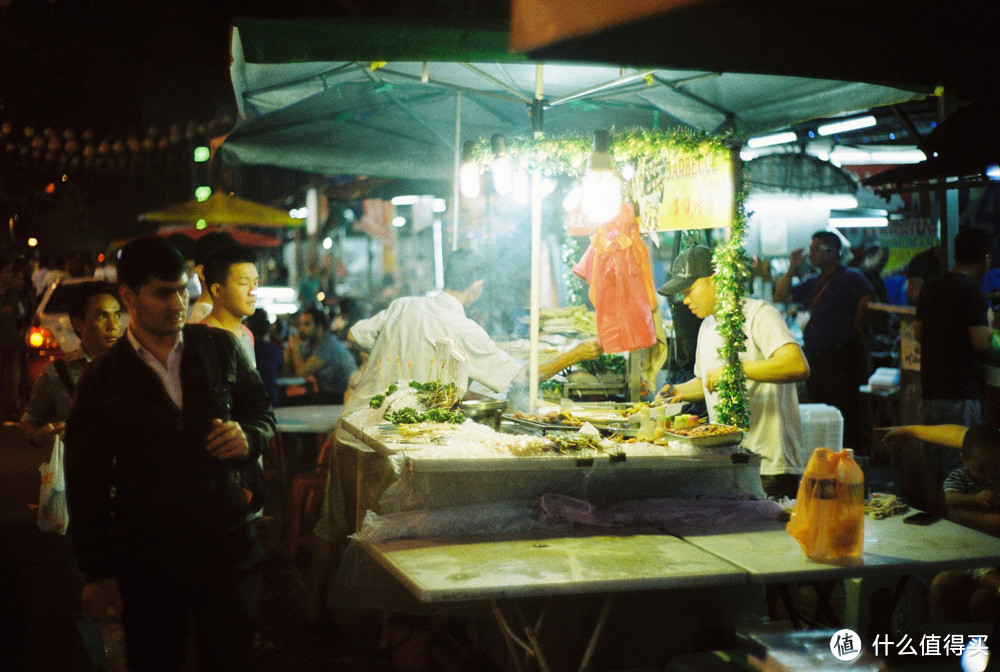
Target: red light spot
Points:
x,y
50,188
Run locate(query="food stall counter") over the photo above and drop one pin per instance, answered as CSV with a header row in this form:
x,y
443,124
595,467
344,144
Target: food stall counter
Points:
x,y
452,465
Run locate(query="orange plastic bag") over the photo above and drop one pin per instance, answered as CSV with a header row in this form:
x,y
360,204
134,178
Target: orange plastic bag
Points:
x,y
621,284
829,516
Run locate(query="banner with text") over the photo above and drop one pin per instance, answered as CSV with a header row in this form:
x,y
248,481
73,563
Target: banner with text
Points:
x,y
697,191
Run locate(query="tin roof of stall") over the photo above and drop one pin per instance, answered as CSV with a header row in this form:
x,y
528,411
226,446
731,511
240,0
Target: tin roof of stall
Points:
x,y
335,97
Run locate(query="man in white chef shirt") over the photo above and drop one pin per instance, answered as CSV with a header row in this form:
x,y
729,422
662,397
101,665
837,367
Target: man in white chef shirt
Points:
x,y
773,363
400,344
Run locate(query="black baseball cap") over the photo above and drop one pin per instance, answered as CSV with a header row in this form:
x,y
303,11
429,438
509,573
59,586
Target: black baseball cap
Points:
x,y
691,264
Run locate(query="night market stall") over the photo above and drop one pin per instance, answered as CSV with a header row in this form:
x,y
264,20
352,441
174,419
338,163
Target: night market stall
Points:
x,y
437,481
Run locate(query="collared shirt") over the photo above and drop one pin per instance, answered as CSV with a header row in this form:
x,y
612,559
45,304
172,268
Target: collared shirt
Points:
x,y
169,376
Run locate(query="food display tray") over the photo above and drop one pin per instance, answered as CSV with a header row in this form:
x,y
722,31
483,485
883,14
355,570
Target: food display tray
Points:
x,y
727,439
606,429
541,426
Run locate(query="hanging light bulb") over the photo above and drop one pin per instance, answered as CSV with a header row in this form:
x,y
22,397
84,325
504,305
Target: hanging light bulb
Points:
x,y
502,168
602,188
468,174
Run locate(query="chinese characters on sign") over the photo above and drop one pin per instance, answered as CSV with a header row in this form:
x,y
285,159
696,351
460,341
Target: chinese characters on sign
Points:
x,y
697,191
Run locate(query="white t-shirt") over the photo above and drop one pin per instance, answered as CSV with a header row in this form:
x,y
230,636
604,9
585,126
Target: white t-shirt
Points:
x,y
402,337
775,427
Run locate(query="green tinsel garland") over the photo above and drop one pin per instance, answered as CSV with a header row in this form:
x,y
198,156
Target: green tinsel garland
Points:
x,y
732,274
647,150
572,251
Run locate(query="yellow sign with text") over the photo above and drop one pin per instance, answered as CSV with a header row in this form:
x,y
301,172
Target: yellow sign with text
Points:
x,y
697,191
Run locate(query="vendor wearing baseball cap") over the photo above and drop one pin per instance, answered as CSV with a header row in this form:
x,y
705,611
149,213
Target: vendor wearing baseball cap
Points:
x,y
691,264
773,363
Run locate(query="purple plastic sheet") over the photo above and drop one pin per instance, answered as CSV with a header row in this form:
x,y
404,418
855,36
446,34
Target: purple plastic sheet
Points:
x,y
660,513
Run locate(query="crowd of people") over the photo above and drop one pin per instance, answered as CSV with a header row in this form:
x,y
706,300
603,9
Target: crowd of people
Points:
x,y
165,425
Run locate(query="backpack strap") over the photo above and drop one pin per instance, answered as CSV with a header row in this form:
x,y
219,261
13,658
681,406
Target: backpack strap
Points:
x,y
62,368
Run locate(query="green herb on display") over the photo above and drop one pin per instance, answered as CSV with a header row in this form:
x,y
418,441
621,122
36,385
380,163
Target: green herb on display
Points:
x,y
410,416
436,395
604,364
432,394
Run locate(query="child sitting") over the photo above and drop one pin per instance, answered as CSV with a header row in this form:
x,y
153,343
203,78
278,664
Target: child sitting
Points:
x,y
972,498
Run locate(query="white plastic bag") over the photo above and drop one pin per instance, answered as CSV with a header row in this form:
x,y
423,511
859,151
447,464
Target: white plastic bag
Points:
x,y
53,516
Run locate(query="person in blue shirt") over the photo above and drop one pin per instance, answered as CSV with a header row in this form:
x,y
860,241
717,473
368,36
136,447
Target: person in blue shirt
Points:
x,y
313,351
837,299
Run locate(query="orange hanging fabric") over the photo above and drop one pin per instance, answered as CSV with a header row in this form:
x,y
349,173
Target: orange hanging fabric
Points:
x,y
616,265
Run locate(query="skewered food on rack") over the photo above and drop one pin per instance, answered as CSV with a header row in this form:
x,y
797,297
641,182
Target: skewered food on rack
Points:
x,y
554,418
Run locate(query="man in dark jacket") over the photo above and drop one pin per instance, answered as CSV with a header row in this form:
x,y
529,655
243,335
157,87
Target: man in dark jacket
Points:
x,y
164,433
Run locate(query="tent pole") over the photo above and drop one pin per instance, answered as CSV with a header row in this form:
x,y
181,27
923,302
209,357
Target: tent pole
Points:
x,y
455,192
536,276
536,261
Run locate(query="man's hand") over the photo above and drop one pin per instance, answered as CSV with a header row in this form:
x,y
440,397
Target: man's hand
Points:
x,y
896,436
795,260
712,379
586,351
669,394
987,499
102,600
227,441
45,436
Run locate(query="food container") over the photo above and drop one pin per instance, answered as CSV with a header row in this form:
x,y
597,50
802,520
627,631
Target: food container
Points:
x,y
484,411
725,436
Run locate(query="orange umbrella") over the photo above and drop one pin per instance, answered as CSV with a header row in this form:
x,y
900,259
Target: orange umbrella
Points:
x,y
241,236
223,210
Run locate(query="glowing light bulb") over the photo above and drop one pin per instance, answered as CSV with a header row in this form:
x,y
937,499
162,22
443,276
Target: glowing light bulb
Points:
x,y
602,188
468,180
501,167
602,196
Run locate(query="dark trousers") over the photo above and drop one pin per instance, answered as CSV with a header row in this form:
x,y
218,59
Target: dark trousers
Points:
x,y
168,591
834,378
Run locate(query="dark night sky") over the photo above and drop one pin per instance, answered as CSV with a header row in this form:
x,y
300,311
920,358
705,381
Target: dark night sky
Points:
x,y
119,65
113,66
